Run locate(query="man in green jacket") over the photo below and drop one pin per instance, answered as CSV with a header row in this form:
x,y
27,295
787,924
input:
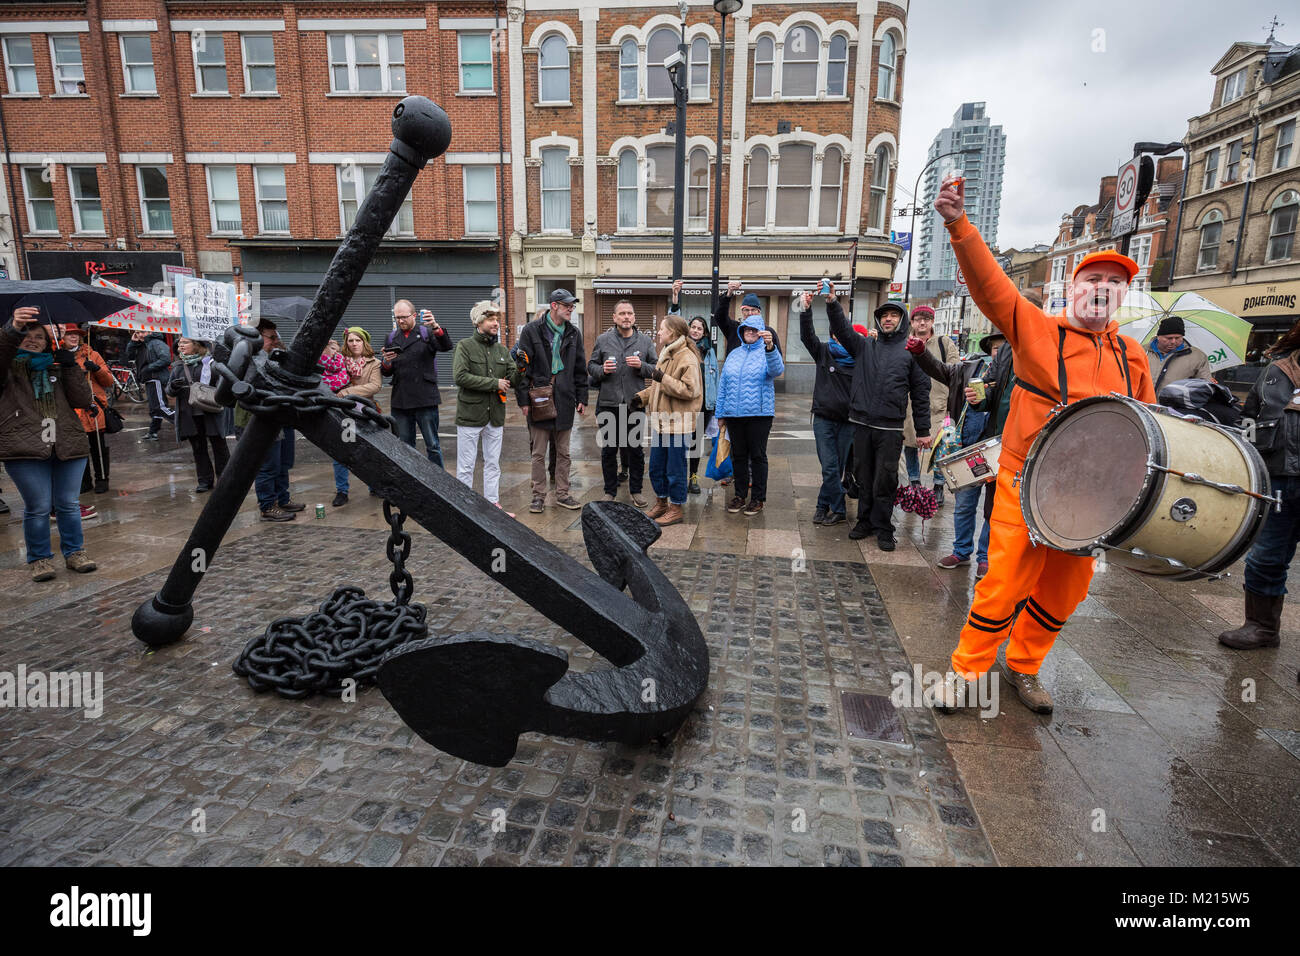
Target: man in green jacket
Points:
x,y
484,374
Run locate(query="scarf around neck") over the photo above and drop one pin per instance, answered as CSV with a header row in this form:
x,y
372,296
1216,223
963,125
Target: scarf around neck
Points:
x,y
37,365
841,355
557,335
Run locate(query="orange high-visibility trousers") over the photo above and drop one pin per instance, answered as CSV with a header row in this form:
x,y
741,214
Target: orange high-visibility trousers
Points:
x,y
1054,582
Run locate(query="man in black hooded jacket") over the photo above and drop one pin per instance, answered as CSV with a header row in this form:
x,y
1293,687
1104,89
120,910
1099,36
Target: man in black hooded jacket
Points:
x,y
885,377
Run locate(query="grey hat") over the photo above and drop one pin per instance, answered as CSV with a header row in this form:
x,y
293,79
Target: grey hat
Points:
x,y
563,296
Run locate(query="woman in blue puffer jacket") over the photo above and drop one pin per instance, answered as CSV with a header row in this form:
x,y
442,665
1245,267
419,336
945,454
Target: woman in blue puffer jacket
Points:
x,y
746,405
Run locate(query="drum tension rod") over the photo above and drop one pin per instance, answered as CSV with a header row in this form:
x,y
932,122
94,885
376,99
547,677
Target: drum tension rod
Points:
x,y
1195,479
1172,562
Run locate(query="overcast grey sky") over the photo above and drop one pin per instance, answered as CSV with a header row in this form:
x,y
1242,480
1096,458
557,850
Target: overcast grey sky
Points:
x,y
1070,115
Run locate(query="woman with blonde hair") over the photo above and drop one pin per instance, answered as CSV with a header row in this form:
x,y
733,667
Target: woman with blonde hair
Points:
x,y
672,403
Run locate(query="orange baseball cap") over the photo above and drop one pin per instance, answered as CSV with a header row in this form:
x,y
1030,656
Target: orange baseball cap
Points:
x,y
1108,255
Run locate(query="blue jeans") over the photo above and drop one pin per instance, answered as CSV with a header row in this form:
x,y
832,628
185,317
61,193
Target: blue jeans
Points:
x,y
427,419
834,440
49,485
1267,563
913,461
668,468
963,523
272,484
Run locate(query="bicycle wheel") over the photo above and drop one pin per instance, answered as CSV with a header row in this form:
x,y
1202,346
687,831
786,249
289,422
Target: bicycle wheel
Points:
x,y
134,390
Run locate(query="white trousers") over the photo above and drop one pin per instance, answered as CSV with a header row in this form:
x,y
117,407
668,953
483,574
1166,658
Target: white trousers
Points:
x,y
467,454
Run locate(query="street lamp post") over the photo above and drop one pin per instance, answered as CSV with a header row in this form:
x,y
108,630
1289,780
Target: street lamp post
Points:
x,y
723,7
911,253
679,73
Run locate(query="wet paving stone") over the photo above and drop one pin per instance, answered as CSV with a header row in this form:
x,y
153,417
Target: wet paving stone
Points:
x,y
761,773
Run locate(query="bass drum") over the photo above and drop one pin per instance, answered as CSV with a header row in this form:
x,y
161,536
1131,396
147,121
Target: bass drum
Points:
x,y
1101,475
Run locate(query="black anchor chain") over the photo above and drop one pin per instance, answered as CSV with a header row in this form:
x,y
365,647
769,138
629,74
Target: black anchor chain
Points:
x,y
344,639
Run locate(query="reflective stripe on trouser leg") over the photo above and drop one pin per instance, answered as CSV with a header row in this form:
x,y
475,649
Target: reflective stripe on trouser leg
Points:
x,y
1061,587
1014,569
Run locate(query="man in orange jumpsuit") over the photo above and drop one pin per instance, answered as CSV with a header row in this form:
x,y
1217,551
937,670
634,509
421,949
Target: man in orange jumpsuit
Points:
x,y
1058,359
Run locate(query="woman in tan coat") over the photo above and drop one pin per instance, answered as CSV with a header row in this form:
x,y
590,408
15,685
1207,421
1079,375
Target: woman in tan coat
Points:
x,y
672,403
364,380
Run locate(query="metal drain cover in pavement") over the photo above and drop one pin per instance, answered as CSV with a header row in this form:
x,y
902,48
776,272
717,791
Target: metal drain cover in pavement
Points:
x,y
871,717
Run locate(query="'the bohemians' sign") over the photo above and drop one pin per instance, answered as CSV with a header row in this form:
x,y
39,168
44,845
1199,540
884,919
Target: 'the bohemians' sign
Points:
x,y
1258,300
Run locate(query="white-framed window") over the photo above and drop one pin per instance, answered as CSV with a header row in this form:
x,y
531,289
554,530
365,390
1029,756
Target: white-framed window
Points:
x,y
65,56
1234,87
1140,250
553,70
697,190
272,199
828,213
481,200
700,58
1078,257
878,211
629,196
259,62
38,190
661,44
355,181
87,207
764,63
20,65
1281,226
886,70
155,198
794,185
555,188
1232,165
209,62
1207,259
659,186
1284,146
137,63
837,65
1211,169
799,62
223,200
629,63
475,51
1058,269
367,63
760,162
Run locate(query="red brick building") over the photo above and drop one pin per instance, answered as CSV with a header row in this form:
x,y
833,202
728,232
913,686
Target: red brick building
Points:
x,y
811,120
239,137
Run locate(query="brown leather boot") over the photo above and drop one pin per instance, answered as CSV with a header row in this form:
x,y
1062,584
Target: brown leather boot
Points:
x,y
1263,623
673,515
661,505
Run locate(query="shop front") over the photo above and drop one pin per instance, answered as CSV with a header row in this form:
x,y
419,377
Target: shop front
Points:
x,y
1271,308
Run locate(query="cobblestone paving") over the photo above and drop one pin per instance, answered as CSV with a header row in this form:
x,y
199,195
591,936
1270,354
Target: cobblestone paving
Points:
x,y
762,772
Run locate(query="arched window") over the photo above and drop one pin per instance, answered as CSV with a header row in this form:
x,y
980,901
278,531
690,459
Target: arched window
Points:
x,y
661,45
628,198
697,190
763,56
879,189
888,64
659,187
837,65
828,216
799,62
628,57
699,69
794,180
1211,232
553,70
1281,226
756,199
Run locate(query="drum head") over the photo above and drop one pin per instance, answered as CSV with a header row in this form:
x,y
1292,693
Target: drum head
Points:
x,y
1088,473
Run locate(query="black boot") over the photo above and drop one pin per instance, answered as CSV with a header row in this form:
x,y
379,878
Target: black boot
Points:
x,y
1263,623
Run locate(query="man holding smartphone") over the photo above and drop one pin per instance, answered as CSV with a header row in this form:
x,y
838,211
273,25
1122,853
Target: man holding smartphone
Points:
x,y
409,355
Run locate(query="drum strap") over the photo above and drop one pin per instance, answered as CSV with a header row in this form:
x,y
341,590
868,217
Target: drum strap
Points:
x,y
1128,384
1060,374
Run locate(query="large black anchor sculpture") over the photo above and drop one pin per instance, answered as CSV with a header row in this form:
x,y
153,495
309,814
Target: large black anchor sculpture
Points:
x,y
469,694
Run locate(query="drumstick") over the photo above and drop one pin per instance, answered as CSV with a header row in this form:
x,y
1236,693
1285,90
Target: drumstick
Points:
x,y
1230,489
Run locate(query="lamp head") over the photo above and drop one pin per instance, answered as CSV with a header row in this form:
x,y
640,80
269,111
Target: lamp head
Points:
x,y
727,7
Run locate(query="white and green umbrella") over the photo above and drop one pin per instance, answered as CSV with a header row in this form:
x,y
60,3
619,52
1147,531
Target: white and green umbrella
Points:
x,y
1220,335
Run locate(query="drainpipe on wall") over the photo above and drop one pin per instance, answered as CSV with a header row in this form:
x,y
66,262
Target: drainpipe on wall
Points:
x,y
1245,199
501,182
13,196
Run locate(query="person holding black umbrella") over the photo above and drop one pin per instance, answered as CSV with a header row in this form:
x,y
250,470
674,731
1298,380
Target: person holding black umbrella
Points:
x,y
42,442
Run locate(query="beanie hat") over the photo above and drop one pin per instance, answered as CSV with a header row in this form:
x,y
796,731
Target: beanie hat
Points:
x,y
862,330
365,336
923,312
752,301
1172,326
